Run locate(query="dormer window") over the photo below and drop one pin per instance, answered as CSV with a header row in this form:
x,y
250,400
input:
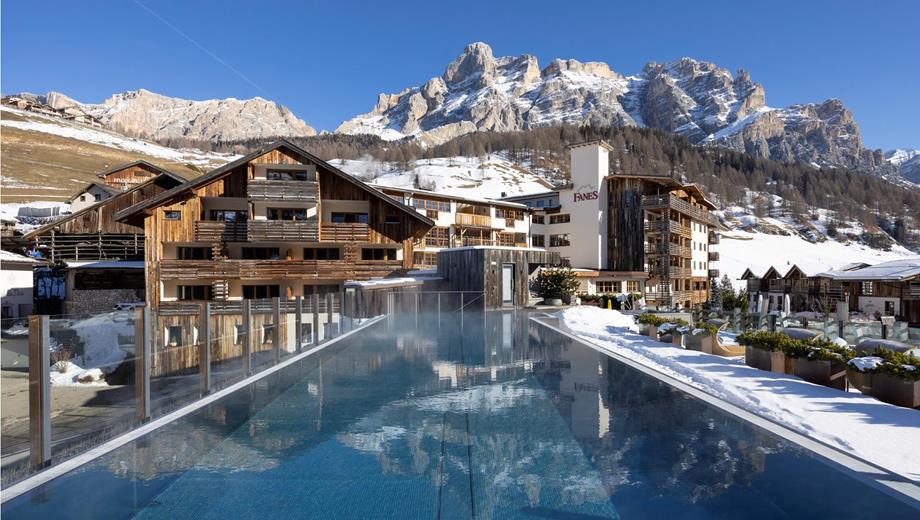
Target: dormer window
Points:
x,y
287,175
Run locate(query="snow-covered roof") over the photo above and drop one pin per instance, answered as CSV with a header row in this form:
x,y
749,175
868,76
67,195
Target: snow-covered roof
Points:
x,y
9,256
895,270
390,282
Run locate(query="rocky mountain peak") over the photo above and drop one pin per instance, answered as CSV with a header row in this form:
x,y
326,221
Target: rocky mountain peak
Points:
x,y
476,67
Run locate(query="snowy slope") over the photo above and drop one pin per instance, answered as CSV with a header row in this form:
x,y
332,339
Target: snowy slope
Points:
x,y
56,126
486,177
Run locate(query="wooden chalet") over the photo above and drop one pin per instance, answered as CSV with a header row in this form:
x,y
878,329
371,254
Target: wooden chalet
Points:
x,y
279,222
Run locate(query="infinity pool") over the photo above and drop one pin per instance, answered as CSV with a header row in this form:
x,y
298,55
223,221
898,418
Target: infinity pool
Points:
x,y
496,416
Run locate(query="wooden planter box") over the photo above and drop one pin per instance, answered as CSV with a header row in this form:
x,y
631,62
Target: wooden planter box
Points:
x,y
677,338
821,372
886,388
649,330
766,360
700,342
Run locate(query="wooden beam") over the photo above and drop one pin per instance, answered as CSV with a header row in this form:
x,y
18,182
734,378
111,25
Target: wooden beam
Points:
x,y
39,391
204,348
142,337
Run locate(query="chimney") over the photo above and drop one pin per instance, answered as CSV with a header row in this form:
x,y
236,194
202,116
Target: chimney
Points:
x,y
504,194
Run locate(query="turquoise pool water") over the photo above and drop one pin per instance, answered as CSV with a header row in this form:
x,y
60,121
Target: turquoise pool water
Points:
x,y
494,417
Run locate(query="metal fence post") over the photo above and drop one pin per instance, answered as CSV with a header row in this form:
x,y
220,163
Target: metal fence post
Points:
x,y
39,391
439,309
142,339
298,323
247,337
315,302
327,333
204,348
276,318
343,311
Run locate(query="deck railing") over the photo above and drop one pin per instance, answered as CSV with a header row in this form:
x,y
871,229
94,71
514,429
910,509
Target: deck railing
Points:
x,y
333,232
220,231
283,230
276,190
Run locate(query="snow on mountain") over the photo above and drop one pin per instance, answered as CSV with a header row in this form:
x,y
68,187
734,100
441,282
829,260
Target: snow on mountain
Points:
x,y
692,98
907,162
145,114
473,177
780,241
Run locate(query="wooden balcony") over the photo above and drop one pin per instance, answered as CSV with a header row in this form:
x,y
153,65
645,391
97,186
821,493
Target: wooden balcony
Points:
x,y
332,232
714,273
275,269
678,204
289,191
220,231
668,226
713,256
283,230
713,238
467,219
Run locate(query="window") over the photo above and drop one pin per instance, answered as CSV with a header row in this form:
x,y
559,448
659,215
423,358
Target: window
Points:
x,y
424,258
437,205
559,240
287,175
607,287
268,333
101,279
193,292
431,213
97,197
562,218
261,253
349,218
306,332
251,292
238,334
321,290
438,237
193,253
286,214
632,286
538,219
392,219
541,204
378,254
174,335
172,215
506,239
868,288
322,253
228,215
538,241
509,214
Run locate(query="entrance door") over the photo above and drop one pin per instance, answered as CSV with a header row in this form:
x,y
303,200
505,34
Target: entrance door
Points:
x,y
507,284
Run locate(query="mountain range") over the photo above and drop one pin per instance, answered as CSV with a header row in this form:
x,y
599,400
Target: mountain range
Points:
x,y
706,104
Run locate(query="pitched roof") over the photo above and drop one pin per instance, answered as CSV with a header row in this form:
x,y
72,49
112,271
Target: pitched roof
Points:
x,y
895,270
773,271
111,190
140,162
217,173
793,270
42,230
747,275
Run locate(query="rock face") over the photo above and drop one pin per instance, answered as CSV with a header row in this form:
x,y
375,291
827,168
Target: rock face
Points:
x,y
148,115
698,100
907,162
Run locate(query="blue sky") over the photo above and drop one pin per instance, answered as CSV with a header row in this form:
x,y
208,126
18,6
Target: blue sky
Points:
x,y
328,60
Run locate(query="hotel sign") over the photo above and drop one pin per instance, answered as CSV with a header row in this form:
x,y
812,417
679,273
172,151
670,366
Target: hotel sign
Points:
x,y
583,193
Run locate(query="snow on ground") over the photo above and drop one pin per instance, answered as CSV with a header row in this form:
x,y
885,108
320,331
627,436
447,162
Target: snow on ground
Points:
x,y
486,177
65,373
62,128
100,337
884,434
739,250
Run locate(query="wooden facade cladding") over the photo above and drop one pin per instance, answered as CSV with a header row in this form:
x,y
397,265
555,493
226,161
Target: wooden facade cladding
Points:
x,y
625,225
130,175
671,201
183,217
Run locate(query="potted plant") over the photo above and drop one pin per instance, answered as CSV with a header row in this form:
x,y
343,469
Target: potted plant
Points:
x,y
764,350
556,284
889,376
702,338
649,323
819,361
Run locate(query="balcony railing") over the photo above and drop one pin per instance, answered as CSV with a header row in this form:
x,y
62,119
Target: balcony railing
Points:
x,y
714,273
681,206
466,219
332,232
713,256
714,238
668,226
220,231
275,269
282,230
294,191
476,241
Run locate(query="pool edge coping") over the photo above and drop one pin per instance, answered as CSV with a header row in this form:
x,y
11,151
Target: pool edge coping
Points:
x,y
53,472
896,485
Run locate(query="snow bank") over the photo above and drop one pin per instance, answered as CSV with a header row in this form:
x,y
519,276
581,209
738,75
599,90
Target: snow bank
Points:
x,y
65,373
99,335
884,434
